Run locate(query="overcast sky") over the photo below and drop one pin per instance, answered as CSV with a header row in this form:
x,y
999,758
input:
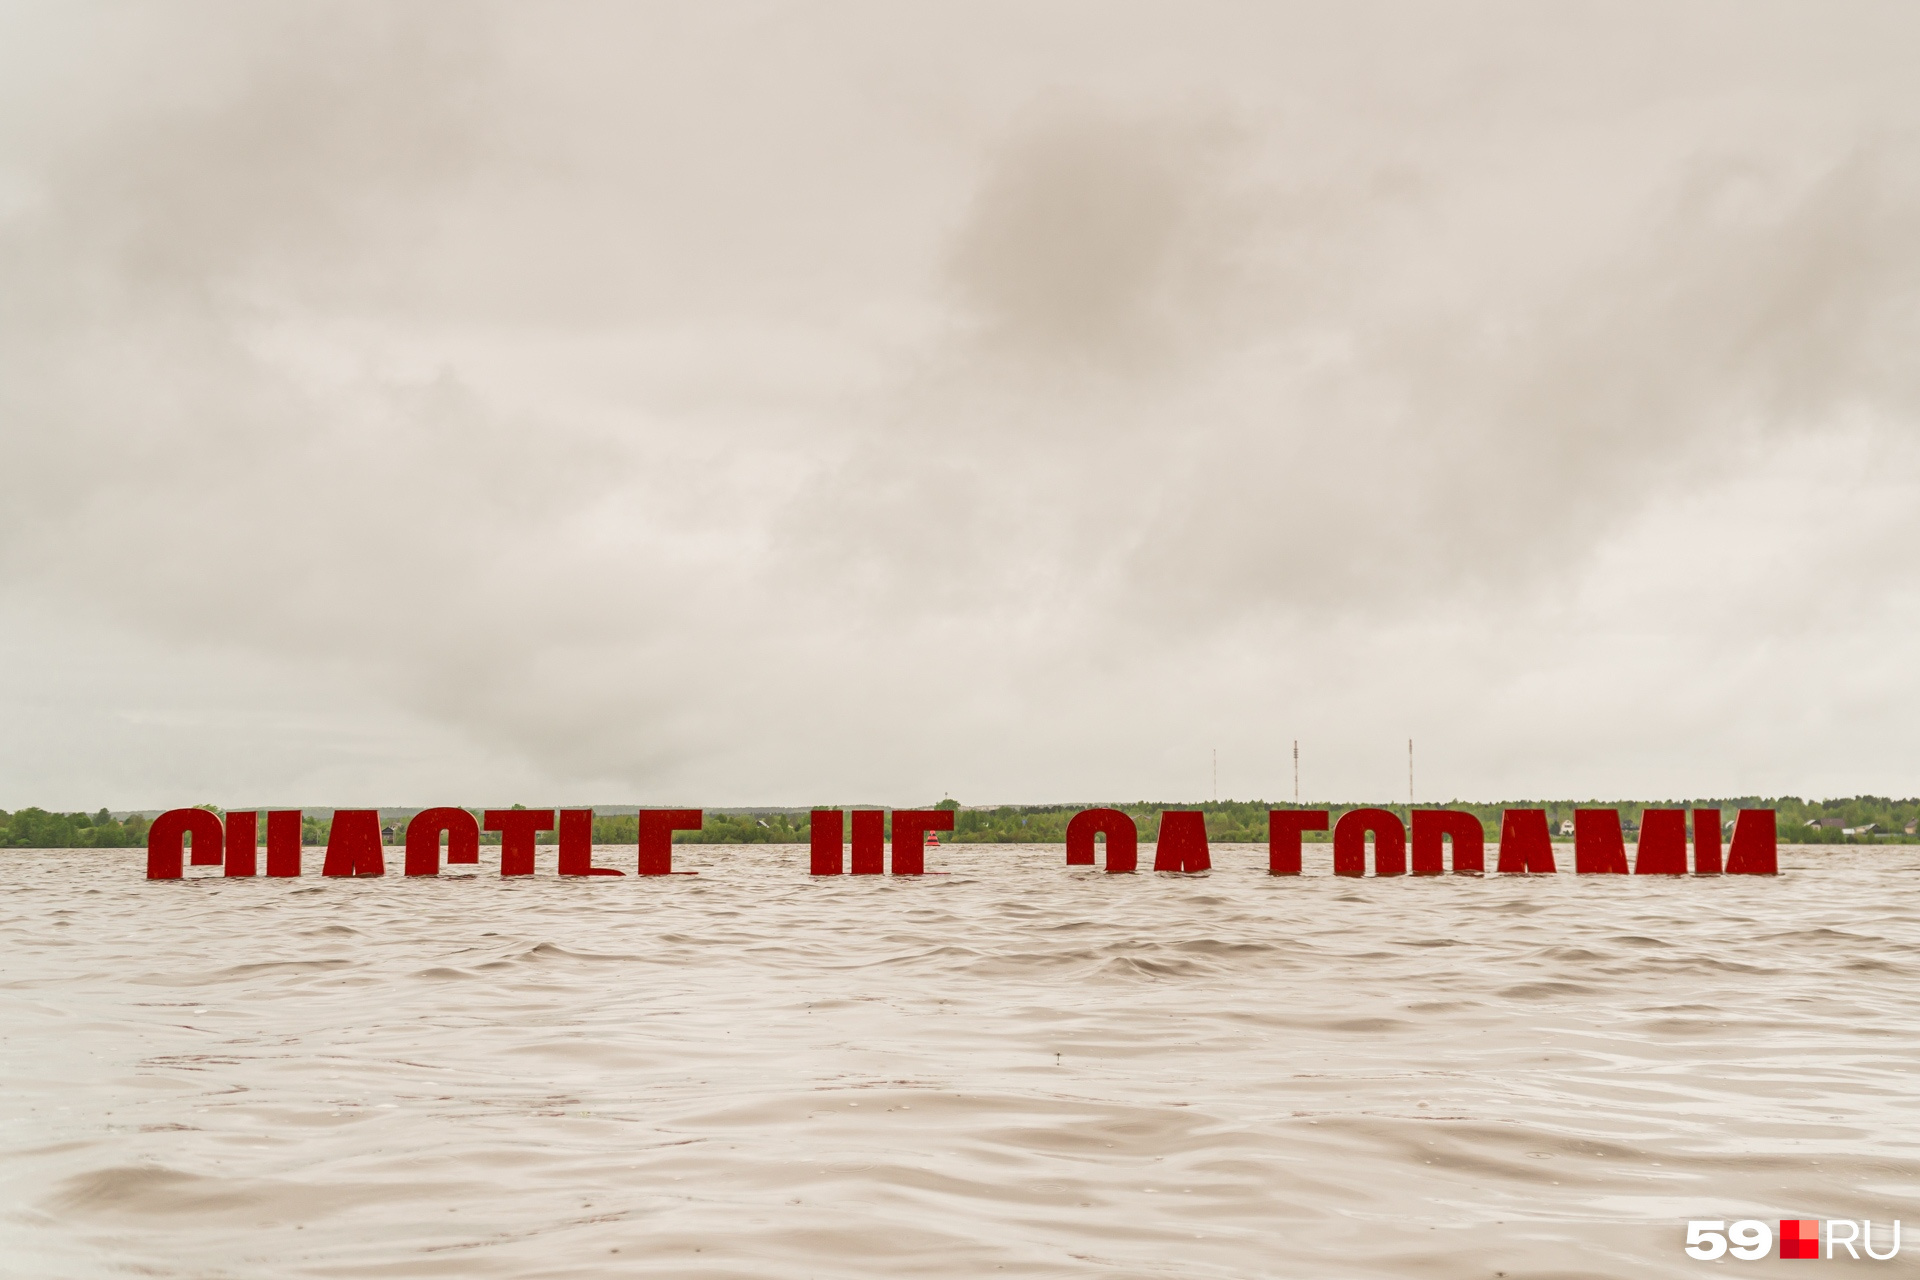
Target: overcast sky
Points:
x,y
765,403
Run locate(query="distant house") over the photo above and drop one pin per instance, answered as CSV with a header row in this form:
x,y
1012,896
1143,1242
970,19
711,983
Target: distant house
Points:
x,y
1566,827
386,835
1859,831
1913,828
1828,823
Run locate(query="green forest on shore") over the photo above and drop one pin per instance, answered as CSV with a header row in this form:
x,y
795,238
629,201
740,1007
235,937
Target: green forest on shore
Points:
x,y
1853,820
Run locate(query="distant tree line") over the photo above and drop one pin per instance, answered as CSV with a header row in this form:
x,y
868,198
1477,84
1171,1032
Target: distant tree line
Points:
x,y
38,829
1245,822
1855,820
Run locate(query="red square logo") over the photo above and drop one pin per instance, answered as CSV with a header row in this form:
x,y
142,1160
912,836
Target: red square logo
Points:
x,y
1800,1238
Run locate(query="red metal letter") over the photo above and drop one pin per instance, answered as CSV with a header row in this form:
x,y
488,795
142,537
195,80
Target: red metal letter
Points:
x,y
1706,842
1284,829
243,844
826,831
353,844
1598,846
656,837
869,842
1123,839
423,839
519,832
283,842
910,827
209,853
576,845
1525,845
1350,843
1432,826
165,841
1662,850
1182,845
1755,848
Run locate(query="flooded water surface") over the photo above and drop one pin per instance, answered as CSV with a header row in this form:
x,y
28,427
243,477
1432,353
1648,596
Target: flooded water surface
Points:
x,y
1013,1069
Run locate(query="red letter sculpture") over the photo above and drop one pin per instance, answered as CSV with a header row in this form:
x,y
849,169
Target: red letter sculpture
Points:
x,y
519,835
656,837
1182,845
209,853
1525,845
576,845
283,842
1350,843
1598,846
869,842
1123,839
826,844
353,844
1433,827
1662,850
1754,851
165,841
1706,842
910,827
423,840
1284,845
243,844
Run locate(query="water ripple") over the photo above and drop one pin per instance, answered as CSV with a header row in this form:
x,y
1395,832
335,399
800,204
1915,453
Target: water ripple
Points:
x,y
1015,1068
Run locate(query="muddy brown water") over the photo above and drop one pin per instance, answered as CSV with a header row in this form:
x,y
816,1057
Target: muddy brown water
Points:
x,y
1013,1069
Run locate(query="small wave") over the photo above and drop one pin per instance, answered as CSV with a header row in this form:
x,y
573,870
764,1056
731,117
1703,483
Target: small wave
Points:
x,y
1544,990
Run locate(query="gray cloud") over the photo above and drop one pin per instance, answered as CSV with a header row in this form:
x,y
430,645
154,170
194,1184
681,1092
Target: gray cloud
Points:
x,y
773,406
1097,240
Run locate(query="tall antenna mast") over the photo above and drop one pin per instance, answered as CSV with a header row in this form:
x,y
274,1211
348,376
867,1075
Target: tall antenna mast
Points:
x,y
1409,779
1296,771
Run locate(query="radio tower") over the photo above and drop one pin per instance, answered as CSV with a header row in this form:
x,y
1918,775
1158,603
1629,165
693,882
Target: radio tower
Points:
x,y
1296,772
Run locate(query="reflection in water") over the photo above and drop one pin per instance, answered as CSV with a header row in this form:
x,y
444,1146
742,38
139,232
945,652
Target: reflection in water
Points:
x,y
1016,1068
